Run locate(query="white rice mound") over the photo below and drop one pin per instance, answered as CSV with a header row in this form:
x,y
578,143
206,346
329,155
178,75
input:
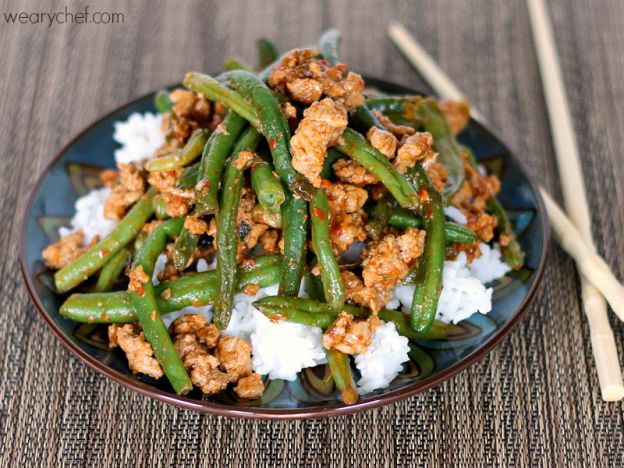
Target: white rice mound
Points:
x,y
139,136
455,214
280,349
463,294
383,359
89,216
489,265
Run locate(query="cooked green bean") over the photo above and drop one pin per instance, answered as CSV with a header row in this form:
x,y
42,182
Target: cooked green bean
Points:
x,y
512,251
188,179
362,118
267,186
274,304
181,158
235,64
329,44
266,217
162,102
343,376
267,53
226,240
380,216
445,144
111,270
275,129
333,155
160,206
356,147
213,158
272,124
453,232
196,290
333,287
402,110
215,91
146,307
183,248
93,259
427,291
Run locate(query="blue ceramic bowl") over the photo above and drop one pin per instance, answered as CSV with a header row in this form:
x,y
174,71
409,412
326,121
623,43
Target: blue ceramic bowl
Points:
x,y
74,172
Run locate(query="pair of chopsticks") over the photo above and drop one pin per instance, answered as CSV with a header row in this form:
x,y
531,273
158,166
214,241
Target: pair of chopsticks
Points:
x,y
573,234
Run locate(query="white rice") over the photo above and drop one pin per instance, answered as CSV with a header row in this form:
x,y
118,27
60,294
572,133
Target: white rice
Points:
x,y
463,294
139,136
280,349
89,216
455,214
489,265
383,359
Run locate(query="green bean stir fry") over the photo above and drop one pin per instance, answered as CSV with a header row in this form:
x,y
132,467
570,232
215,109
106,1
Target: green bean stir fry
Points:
x,y
273,175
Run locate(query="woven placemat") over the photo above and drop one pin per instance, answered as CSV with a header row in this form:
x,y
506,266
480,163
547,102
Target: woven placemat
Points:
x,y
534,400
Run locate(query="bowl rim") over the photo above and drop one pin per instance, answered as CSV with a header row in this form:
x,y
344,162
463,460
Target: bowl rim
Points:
x,y
130,382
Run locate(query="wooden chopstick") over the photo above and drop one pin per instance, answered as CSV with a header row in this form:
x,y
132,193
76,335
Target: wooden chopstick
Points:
x,y
602,339
575,199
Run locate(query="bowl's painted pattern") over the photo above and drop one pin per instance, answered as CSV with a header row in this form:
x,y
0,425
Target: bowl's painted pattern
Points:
x,y
75,171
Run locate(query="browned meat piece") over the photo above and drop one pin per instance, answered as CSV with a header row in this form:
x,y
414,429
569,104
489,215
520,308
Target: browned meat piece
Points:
x,y
305,90
323,123
108,177
234,354
399,131
383,141
63,252
411,245
203,368
139,352
164,181
457,114
351,172
437,174
177,201
128,189
206,333
362,295
248,228
138,278
350,336
345,198
472,198
269,241
251,289
150,227
386,262
306,78
169,273
346,228
212,227
195,225
250,387
243,159
289,110
189,112
414,148
483,225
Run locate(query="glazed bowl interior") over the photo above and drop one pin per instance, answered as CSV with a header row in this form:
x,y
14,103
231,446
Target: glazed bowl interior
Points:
x,y
74,172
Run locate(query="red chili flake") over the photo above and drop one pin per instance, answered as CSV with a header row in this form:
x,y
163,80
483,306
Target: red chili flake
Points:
x,y
424,196
104,252
318,213
325,183
105,316
272,144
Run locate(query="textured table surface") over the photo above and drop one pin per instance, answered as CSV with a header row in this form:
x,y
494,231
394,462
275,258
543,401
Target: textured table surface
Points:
x,y
533,400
